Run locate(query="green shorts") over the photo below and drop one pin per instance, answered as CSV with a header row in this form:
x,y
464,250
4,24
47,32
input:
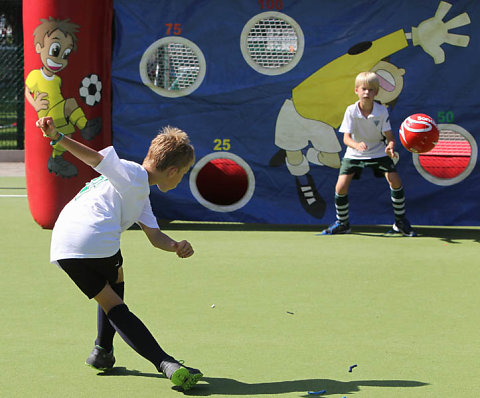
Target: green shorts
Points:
x,y
380,166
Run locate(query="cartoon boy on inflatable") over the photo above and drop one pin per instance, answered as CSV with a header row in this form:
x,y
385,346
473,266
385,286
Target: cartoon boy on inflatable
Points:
x,y
55,40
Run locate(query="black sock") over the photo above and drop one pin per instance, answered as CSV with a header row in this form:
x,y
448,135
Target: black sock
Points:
x,y
105,330
136,334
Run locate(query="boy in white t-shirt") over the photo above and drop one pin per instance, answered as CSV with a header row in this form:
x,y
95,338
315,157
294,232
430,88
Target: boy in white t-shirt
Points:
x,y
370,143
86,238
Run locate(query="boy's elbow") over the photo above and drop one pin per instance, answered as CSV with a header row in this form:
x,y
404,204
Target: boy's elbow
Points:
x,y
95,160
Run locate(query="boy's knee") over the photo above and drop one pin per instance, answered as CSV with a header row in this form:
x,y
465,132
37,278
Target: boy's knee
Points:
x,y
343,182
394,180
108,298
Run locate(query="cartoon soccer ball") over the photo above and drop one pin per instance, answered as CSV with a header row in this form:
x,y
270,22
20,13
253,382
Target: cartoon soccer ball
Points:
x,y
91,89
419,133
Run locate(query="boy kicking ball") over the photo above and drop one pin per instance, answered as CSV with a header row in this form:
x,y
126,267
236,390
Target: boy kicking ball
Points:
x,y
370,143
86,238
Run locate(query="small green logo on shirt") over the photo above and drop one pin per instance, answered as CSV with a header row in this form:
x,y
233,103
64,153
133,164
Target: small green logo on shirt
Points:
x,y
91,185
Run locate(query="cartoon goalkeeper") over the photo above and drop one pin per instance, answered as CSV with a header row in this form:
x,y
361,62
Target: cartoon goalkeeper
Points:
x,y
318,103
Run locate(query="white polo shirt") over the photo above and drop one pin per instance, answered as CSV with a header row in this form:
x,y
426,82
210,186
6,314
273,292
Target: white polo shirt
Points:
x,y
369,130
89,226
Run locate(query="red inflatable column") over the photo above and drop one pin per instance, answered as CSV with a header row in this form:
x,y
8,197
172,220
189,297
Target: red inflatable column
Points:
x,y
67,46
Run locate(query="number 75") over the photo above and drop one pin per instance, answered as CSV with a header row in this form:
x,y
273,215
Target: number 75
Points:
x,y
177,28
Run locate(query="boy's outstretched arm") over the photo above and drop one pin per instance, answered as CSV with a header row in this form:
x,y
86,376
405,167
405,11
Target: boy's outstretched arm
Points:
x,y
80,151
390,148
162,241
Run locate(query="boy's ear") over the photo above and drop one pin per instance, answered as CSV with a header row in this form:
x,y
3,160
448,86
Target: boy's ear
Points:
x,y
38,48
172,170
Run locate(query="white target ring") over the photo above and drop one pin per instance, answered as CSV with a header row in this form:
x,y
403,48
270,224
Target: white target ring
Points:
x,y
209,204
173,67
272,43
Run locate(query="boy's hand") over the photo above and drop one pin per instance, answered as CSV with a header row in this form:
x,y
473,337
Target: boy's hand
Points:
x,y
390,151
361,146
183,249
47,126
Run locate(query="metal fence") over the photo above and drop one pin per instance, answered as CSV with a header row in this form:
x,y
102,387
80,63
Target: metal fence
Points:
x,y
11,75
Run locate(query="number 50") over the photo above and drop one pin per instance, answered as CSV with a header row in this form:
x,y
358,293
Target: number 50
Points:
x,y
443,117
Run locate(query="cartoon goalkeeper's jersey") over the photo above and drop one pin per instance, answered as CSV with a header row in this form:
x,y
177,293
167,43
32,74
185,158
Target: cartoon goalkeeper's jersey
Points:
x,y
324,95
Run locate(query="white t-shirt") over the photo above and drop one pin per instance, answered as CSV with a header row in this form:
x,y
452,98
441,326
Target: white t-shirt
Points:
x,y
369,130
89,226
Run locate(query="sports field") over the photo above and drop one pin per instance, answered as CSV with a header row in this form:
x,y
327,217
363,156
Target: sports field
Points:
x,y
292,312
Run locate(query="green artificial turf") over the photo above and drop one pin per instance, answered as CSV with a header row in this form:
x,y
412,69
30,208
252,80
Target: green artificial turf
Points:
x,y
292,312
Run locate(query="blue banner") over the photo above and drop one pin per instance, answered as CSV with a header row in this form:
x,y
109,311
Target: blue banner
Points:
x,y
261,87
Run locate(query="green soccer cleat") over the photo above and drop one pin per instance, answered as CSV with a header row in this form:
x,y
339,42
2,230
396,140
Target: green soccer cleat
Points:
x,y
180,375
194,378
100,359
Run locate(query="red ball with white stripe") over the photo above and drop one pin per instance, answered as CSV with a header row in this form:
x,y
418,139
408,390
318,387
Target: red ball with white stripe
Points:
x,y
419,133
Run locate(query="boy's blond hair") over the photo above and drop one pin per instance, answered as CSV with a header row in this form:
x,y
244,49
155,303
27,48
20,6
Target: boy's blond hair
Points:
x,y
369,79
171,147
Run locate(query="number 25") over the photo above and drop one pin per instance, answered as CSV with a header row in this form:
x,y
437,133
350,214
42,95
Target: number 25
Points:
x,y
221,145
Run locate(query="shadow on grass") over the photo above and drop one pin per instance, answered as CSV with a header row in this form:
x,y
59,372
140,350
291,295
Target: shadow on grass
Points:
x,y
224,386
123,371
446,234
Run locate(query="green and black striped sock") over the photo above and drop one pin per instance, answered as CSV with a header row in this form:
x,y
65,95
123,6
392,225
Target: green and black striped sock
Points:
x,y
398,202
341,208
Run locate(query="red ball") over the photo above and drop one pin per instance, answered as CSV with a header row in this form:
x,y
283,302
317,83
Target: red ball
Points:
x,y
419,133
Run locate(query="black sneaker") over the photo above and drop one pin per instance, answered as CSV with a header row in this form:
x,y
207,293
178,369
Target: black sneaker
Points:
x,y
403,227
92,128
180,375
100,359
310,199
337,228
61,167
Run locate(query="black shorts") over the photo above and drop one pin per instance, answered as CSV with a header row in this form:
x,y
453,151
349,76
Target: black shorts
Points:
x,y
380,166
92,274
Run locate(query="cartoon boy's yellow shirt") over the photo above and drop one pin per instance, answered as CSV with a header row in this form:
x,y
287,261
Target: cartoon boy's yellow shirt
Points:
x,y
324,95
37,82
